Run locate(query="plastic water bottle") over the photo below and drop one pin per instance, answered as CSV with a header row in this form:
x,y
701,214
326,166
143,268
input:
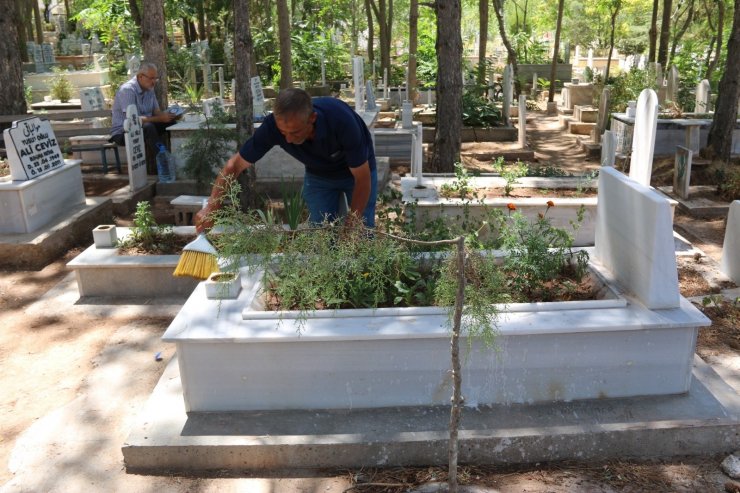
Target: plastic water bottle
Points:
x,y
165,165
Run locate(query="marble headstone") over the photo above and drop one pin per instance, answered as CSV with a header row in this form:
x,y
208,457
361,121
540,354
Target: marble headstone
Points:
x,y
48,54
603,114
38,58
682,172
730,263
135,149
370,105
672,84
32,149
91,99
522,127
608,148
508,91
643,141
210,104
258,97
358,77
703,91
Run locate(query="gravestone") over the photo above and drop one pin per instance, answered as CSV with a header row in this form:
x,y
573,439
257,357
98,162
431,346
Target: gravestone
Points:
x,y
682,172
730,263
672,85
32,149
534,84
358,77
590,58
508,91
643,140
91,99
577,55
42,185
135,149
47,51
703,92
370,104
603,117
133,64
522,130
323,71
608,148
258,97
38,58
221,87
95,44
85,49
210,104
634,239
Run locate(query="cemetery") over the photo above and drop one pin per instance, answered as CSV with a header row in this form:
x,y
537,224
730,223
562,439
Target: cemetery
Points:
x,y
551,282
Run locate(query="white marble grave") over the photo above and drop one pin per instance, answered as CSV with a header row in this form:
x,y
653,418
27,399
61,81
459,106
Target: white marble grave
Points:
x,y
643,140
358,78
730,263
91,99
703,93
135,149
672,85
42,185
608,148
522,121
258,97
634,239
508,93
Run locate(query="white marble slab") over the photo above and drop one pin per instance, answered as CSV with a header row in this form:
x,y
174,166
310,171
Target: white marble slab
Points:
x,y
730,264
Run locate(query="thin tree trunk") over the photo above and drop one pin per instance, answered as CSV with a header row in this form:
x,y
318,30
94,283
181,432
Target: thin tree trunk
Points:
x,y
187,34
154,43
682,30
286,65
37,22
135,13
653,32
413,47
665,33
449,86
382,15
202,34
456,408
613,28
20,28
719,143
482,42
243,55
718,44
371,36
66,13
556,52
12,100
498,8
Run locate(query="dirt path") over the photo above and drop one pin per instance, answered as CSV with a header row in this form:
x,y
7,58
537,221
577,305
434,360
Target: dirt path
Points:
x,y
73,382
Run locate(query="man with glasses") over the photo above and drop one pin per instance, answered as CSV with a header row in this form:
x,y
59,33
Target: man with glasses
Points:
x,y
332,142
140,91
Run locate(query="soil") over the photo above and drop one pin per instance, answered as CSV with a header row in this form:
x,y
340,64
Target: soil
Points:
x,y
73,382
522,192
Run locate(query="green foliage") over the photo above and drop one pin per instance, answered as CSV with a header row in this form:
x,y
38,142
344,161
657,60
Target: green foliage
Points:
x,y
113,22
294,206
146,234
426,53
727,177
627,86
460,187
510,173
28,94
529,49
60,87
182,64
480,112
537,253
208,149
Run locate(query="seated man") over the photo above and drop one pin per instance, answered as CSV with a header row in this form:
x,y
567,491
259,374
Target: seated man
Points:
x,y
140,91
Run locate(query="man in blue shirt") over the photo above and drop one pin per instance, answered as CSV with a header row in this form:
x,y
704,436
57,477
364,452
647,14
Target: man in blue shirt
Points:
x,y
332,142
140,91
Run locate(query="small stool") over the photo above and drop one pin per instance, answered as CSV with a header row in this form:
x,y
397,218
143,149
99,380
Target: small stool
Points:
x,y
102,147
185,207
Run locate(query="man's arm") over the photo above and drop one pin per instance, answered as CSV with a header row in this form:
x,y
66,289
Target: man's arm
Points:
x,y
159,116
235,166
361,192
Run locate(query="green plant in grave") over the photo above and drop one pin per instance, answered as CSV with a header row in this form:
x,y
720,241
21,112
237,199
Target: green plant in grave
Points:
x,y
538,252
208,149
146,234
480,112
511,173
460,186
60,87
294,206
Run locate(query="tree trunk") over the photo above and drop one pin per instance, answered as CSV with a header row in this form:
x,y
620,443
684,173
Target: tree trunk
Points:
x,y
556,52
665,33
286,65
243,55
371,36
482,43
383,12
12,100
154,43
456,408
613,28
498,8
66,13
135,13
187,34
449,87
37,22
20,28
202,34
413,47
653,32
718,44
682,30
719,143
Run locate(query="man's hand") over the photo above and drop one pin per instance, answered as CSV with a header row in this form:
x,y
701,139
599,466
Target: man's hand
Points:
x,y
203,221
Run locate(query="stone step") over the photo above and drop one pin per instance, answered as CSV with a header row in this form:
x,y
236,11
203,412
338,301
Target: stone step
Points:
x,y
580,128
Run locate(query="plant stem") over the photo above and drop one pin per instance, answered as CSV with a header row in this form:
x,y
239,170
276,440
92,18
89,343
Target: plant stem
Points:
x,y
455,410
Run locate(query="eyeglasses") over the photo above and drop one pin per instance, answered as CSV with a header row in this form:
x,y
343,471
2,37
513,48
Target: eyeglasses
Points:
x,y
155,79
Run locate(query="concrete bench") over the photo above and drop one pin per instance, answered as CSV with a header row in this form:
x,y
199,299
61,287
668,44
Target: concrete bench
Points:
x,y
185,208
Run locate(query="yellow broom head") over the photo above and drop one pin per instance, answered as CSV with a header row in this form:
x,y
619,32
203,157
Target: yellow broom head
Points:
x,y
198,259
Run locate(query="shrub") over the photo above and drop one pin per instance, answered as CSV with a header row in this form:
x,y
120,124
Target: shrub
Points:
x,y
60,87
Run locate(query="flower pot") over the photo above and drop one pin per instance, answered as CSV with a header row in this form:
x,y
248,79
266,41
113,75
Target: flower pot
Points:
x,y
105,236
223,285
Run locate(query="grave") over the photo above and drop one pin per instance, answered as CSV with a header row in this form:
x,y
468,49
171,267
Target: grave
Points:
x,y
231,359
44,207
682,172
730,264
643,142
